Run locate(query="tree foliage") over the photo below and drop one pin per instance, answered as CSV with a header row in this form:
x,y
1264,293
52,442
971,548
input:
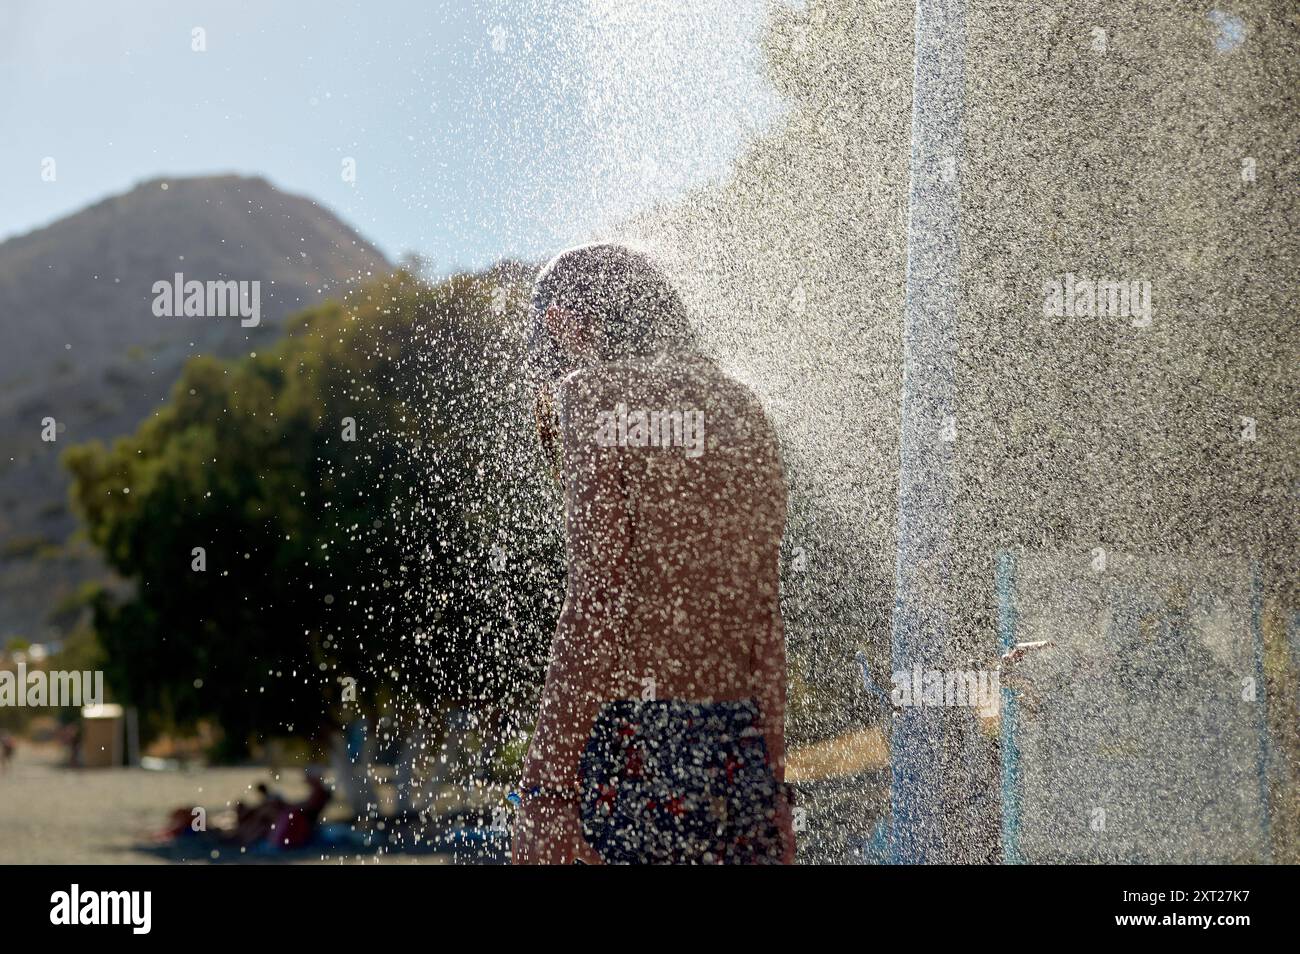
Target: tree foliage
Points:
x,y
362,505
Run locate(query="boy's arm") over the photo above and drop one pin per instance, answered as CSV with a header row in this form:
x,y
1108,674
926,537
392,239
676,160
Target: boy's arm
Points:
x,y
590,629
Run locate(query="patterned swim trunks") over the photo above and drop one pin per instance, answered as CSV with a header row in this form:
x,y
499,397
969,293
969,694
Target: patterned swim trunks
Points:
x,y
671,782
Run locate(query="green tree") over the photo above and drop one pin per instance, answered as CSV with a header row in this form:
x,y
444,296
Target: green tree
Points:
x,y
361,505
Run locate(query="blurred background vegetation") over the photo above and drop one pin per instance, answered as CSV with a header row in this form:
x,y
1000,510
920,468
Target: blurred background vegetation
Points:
x,y
368,506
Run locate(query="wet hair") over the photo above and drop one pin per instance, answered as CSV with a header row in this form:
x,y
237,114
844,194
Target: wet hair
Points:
x,y
634,308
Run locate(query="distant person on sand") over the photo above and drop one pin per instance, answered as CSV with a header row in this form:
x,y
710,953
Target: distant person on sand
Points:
x,y
6,750
71,736
274,822
660,737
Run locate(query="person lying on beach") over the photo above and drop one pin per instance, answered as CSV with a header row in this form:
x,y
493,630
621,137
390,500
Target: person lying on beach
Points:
x,y
274,821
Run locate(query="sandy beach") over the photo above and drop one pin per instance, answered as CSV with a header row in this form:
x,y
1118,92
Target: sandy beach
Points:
x,y
50,814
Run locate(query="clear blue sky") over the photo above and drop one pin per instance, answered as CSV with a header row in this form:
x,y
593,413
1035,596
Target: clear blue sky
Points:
x,y
480,128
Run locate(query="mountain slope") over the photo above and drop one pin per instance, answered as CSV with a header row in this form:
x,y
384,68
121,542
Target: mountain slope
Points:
x,y
84,347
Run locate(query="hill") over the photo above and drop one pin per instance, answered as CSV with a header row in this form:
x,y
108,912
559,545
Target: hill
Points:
x,y
84,346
